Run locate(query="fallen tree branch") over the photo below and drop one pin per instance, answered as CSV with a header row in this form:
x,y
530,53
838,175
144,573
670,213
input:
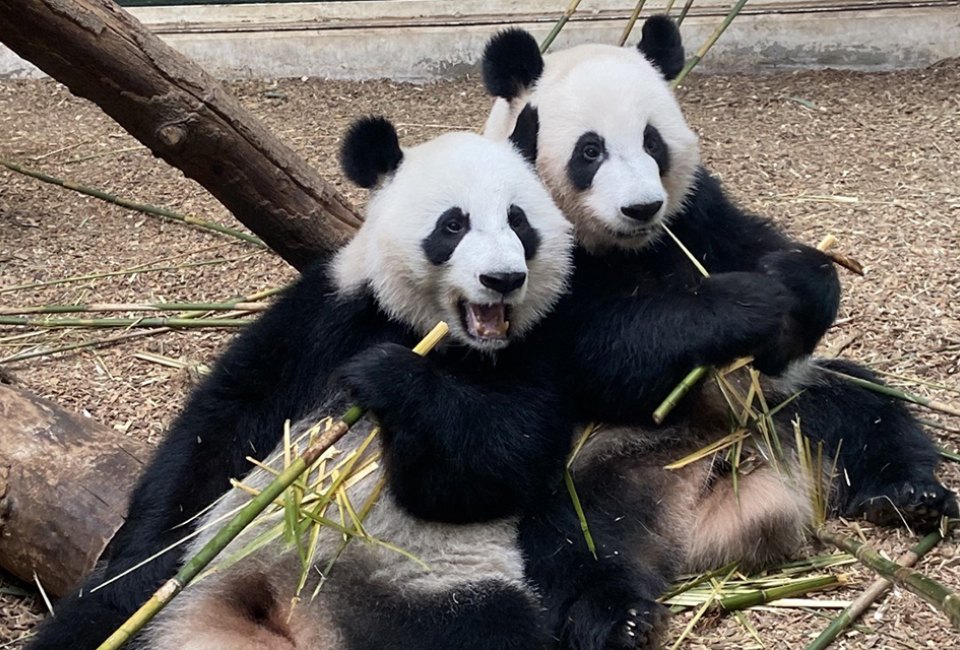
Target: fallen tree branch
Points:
x,y
183,115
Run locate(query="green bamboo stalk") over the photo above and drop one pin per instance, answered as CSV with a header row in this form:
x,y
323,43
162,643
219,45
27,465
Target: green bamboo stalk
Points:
x,y
669,7
248,513
631,22
678,393
879,587
702,52
683,12
24,321
132,205
764,596
570,10
143,306
913,581
899,394
578,508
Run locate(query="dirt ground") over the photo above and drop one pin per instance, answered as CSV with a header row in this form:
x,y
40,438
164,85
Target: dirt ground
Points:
x,y
870,158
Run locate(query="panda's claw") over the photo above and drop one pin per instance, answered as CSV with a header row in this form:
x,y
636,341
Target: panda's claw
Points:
x,y
597,626
918,506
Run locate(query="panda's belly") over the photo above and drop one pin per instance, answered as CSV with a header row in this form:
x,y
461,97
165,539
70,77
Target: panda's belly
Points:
x,y
399,547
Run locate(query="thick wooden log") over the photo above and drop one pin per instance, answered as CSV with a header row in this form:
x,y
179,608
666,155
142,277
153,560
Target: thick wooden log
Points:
x,y
64,485
184,116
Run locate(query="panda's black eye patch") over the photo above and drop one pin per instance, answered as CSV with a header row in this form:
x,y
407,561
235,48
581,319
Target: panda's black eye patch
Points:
x,y
527,234
654,145
450,228
588,154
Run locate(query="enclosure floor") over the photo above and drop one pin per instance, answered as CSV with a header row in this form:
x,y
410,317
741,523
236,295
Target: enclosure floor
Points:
x,y
870,158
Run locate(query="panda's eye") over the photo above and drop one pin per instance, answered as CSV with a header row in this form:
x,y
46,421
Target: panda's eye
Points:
x,y
592,151
454,225
516,217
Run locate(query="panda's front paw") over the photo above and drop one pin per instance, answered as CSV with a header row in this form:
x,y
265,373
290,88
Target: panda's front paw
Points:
x,y
381,377
814,287
918,504
593,625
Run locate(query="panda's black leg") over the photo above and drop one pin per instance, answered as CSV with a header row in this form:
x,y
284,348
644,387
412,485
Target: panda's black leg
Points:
x,y
606,601
486,615
886,462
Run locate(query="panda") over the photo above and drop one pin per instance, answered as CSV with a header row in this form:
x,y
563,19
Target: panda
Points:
x,y
457,229
621,162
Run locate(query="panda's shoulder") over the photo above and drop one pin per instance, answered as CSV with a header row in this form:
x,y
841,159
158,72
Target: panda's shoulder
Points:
x,y
709,207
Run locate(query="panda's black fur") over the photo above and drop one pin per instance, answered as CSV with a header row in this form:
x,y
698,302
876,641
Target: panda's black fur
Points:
x,y
637,321
455,428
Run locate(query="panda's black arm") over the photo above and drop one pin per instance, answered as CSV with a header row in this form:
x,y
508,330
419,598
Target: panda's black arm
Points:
x,y
277,369
464,449
727,239
628,352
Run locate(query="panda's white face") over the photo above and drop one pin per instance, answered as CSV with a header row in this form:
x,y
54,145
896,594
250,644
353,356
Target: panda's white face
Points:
x,y
462,231
613,145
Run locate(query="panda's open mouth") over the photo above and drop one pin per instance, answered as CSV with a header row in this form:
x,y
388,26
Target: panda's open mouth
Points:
x,y
485,322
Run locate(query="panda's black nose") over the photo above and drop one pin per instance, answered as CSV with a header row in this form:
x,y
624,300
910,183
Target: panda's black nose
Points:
x,y
642,212
504,283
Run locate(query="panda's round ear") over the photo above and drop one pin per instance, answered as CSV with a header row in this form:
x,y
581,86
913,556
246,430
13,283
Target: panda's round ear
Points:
x,y
511,63
370,151
661,44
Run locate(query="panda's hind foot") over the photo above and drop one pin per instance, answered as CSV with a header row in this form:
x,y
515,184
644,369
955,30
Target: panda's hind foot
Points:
x,y
641,629
639,626
918,504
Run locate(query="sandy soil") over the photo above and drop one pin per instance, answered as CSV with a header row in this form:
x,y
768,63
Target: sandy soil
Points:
x,y
871,158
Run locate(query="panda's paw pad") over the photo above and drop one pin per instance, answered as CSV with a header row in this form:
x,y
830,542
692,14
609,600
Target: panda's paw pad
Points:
x,y
640,629
918,504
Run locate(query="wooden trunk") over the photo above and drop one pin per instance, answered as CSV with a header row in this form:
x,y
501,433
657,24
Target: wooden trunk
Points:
x,y
64,485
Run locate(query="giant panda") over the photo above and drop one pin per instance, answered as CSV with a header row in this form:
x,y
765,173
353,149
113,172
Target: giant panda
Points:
x,y
620,160
457,229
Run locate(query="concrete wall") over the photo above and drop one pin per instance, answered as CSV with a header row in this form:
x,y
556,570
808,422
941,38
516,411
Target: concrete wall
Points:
x,y
422,40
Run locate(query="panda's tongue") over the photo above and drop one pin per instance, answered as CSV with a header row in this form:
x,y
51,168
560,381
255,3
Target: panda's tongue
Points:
x,y
487,321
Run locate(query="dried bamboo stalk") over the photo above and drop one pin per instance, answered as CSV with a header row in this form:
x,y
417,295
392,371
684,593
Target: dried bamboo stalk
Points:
x,y
702,52
631,22
570,10
133,205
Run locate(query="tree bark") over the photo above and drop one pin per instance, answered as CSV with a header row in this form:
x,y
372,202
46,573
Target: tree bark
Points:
x,y
64,485
184,116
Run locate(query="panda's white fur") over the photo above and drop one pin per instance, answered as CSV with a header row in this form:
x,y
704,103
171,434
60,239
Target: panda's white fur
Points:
x,y
485,179
577,91
460,568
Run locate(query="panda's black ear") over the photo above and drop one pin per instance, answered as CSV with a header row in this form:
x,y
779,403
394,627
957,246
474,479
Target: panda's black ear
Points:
x,y
525,133
661,44
511,63
370,151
